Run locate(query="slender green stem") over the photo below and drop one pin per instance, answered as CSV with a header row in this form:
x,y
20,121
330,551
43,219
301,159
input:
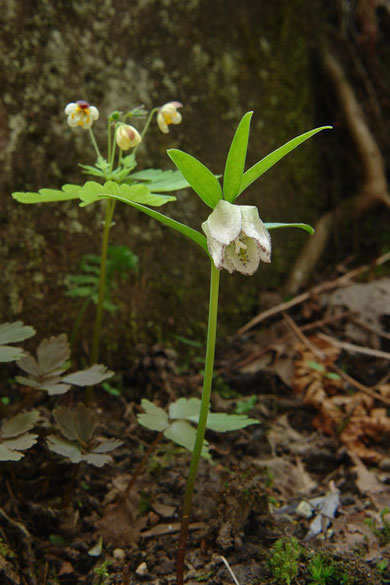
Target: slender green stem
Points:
x,y
77,323
204,410
110,206
109,140
92,135
113,148
145,128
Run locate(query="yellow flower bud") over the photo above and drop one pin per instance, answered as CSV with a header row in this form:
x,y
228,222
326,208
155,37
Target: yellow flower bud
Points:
x,y
127,137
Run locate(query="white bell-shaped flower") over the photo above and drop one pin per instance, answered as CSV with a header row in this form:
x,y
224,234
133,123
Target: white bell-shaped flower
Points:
x,y
237,239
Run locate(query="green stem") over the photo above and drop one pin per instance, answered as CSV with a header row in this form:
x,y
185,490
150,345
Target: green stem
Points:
x,y
110,206
145,128
92,135
113,148
77,323
109,140
204,410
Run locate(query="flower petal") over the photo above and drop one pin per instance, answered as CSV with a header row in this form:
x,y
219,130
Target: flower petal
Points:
x,y
161,123
254,228
94,112
246,262
216,249
224,222
70,108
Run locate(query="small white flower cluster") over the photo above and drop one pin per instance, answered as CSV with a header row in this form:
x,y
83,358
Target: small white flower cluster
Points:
x,y
81,114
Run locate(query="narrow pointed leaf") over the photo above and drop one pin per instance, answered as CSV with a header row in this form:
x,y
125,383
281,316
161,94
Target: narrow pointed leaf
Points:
x,y
158,180
235,161
194,235
302,226
267,162
201,179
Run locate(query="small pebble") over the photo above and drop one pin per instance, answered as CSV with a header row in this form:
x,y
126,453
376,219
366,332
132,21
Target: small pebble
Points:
x,y
384,465
119,554
142,569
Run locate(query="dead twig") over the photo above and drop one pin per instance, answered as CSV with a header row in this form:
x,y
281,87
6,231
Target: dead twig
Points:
x,y
351,347
324,286
27,540
319,354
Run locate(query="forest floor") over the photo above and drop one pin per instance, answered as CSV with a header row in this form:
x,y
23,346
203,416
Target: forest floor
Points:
x,y
303,497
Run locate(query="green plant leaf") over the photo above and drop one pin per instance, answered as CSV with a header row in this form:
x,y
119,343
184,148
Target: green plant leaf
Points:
x,y
17,331
19,424
10,448
11,354
194,235
187,408
201,179
223,422
184,434
267,162
138,193
235,161
10,333
65,448
158,180
302,226
155,418
93,375
48,195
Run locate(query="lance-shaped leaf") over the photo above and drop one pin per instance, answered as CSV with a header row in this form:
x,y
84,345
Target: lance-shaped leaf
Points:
x,y
235,161
268,161
48,195
201,179
158,180
11,333
194,235
302,226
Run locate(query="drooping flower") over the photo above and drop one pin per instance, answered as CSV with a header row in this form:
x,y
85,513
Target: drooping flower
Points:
x,y
80,113
127,137
167,115
237,239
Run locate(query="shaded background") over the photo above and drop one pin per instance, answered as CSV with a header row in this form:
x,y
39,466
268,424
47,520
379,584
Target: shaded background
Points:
x,y
220,60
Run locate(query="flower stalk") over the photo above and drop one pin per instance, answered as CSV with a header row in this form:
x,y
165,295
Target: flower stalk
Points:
x,y
110,206
204,410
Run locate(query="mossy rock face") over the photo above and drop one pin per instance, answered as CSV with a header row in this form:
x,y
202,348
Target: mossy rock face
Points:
x,y
219,59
